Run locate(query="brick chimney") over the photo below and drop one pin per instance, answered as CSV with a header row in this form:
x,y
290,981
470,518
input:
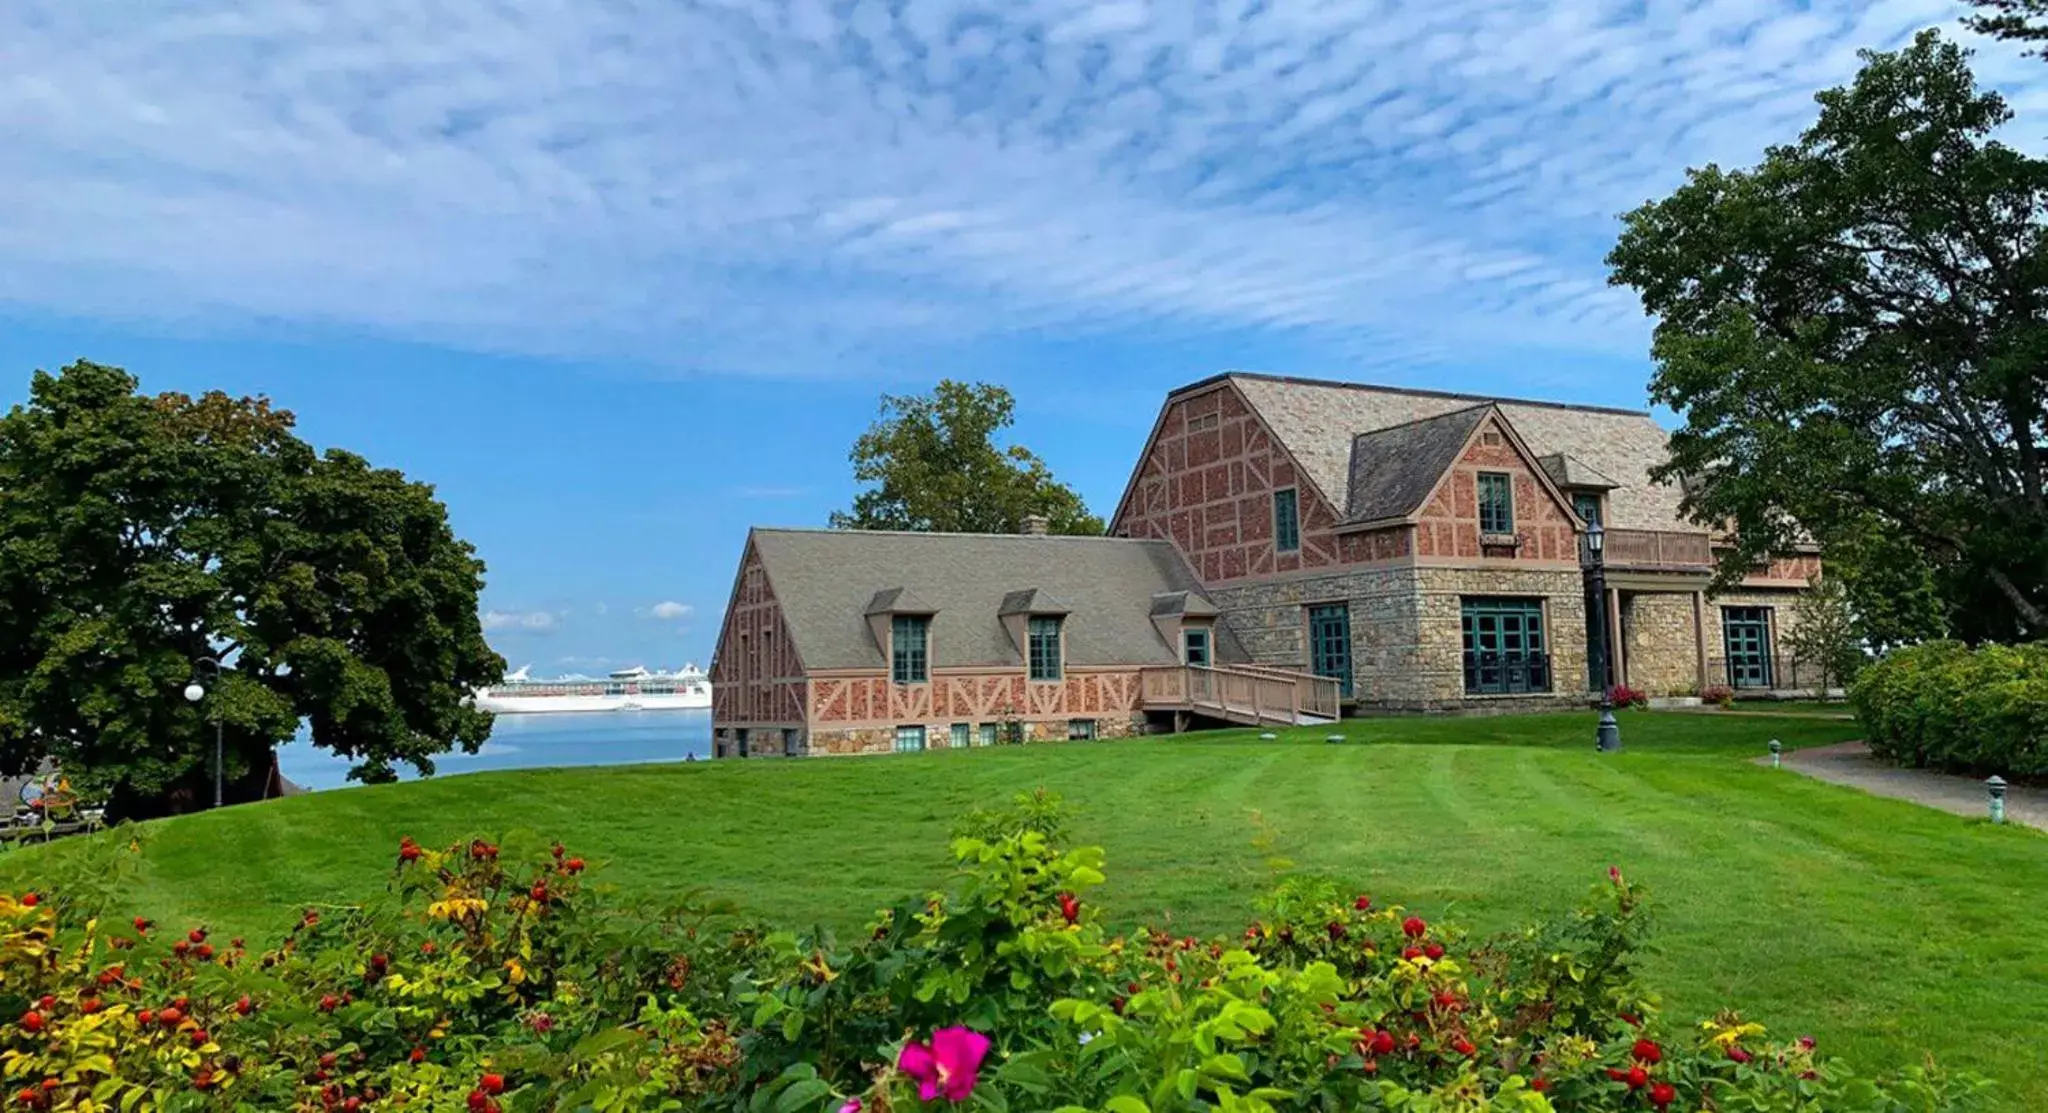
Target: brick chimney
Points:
x,y
1035,525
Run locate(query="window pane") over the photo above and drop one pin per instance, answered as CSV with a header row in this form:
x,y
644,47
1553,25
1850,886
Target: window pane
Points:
x,y
909,640
1286,521
988,734
1587,507
1045,649
962,736
1080,730
909,739
1496,503
1198,647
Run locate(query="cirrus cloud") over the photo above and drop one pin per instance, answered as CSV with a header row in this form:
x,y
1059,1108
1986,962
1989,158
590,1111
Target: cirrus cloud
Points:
x,y
789,184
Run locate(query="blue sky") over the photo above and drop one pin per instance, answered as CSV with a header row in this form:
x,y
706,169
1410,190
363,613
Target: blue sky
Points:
x,y
622,277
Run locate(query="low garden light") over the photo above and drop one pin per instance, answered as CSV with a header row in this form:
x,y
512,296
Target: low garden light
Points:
x,y
1334,738
1996,788
1777,753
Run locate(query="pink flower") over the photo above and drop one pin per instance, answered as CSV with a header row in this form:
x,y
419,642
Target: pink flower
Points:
x,y
948,1067
852,1106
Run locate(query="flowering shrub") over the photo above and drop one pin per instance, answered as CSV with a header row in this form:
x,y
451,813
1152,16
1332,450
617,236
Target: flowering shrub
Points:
x,y
1624,696
487,979
1720,695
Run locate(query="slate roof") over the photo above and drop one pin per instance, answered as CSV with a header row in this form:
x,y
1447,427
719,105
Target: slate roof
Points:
x,y
1394,469
1567,470
1317,421
824,581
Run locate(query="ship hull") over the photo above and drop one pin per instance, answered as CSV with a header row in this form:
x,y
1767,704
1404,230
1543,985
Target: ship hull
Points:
x,y
556,705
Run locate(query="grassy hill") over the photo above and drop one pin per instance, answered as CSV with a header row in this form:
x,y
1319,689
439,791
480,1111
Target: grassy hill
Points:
x,y
1887,930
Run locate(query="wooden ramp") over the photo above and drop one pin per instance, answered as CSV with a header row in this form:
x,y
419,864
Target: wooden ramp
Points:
x,y
1249,694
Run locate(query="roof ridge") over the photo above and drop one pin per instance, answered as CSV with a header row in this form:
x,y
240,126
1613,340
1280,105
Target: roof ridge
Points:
x,y
1419,392
1444,416
828,530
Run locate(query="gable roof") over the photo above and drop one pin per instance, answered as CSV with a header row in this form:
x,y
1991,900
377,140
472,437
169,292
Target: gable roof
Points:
x,y
825,581
1567,470
1032,600
1393,470
1317,422
898,600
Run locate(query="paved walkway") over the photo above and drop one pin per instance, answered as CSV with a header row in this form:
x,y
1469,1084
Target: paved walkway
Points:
x,y
1850,763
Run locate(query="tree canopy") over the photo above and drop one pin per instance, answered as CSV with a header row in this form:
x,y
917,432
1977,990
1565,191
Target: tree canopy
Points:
x,y
935,465
140,533
2023,21
1854,330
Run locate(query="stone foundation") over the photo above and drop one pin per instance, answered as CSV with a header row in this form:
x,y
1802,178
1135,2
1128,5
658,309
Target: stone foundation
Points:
x,y
850,741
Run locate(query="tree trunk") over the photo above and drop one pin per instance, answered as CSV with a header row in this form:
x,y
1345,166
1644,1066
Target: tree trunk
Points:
x,y
194,792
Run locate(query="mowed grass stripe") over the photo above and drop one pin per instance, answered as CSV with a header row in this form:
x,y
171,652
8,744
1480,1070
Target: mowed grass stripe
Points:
x,y
1888,930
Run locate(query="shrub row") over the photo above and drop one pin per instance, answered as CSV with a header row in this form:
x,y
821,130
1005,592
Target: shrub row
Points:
x,y
1945,706
482,979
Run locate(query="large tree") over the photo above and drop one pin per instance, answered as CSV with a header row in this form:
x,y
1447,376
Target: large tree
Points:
x,y
140,533
2023,21
934,464
1855,332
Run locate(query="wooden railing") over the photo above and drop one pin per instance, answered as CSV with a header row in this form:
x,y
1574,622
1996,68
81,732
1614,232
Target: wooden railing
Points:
x,y
1656,548
1241,692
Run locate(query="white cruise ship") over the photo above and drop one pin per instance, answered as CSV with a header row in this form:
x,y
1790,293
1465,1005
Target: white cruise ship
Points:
x,y
634,689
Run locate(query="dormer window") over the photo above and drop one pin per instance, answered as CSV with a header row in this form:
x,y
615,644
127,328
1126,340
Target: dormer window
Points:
x,y
910,648
1586,504
1045,647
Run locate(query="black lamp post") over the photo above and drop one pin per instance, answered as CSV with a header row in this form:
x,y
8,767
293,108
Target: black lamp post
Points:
x,y
1607,736
194,692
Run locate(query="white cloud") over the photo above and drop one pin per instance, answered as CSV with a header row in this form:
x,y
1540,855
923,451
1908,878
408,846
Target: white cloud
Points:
x,y
532,622
780,187
669,610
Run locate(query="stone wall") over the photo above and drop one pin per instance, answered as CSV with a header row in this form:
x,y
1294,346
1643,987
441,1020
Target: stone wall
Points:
x,y
1271,619
938,736
1438,679
1660,647
1407,630
1784,617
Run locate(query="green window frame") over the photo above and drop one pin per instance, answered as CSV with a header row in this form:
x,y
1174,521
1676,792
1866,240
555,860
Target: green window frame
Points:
x,y
1195,645
909,740
1506,652
963,736
1044,639
990,734
792,742
1586,505
1496,502
1286,520
909,648
1080,730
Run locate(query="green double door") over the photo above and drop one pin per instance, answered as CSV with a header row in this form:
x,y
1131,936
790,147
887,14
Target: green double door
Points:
x,y
1329,644
1746,636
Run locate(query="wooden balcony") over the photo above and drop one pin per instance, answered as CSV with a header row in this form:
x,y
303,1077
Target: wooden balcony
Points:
x,y
1659,550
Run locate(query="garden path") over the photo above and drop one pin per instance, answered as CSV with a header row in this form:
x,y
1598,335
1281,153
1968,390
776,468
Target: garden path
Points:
x,y
1851,764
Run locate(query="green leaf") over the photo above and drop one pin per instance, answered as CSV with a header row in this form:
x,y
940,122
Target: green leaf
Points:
x,y
801,1094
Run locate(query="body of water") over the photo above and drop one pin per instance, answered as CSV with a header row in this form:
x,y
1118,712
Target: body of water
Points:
x,y
534,741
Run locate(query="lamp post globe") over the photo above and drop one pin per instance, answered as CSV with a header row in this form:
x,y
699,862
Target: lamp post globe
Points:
x,y
194,692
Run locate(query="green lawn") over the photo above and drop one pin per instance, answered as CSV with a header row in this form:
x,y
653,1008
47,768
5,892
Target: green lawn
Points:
x,y
1887,930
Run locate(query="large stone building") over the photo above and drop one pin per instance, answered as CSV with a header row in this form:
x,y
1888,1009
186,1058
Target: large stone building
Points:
x,y
1424,547
1283,545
